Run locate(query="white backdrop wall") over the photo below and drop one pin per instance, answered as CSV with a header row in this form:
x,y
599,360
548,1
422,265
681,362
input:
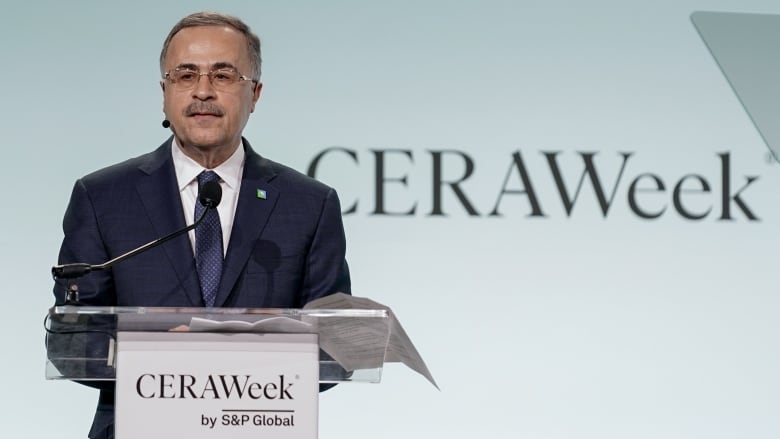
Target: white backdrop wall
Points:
x,y
578,325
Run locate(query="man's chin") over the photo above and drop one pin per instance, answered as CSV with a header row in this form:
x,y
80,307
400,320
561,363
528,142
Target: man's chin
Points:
x,y
203,141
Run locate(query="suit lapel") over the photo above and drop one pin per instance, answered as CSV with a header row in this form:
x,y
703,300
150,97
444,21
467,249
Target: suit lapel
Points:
x,y
252,213
162,201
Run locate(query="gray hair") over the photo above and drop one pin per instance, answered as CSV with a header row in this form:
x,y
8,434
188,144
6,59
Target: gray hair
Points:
x,y
217,19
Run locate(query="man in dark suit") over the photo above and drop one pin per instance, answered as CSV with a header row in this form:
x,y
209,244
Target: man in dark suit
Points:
x,y
277,233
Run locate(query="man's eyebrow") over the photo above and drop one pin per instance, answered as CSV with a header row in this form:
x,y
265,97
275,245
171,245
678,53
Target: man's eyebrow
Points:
x,y
215,66
186,66
223,65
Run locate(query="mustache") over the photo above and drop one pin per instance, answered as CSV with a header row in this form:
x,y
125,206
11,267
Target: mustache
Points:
x,y
203,107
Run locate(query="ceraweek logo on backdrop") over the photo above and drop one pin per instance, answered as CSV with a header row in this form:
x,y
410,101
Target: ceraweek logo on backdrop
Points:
x,y
743,45
727,195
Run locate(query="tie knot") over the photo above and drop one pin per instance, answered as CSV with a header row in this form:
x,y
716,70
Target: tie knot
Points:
x,y
207,176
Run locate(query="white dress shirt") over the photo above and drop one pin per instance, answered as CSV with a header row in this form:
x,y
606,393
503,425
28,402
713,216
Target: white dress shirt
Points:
x,y
230,173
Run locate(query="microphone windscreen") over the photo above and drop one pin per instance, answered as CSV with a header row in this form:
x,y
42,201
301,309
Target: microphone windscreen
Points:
x,y
210,194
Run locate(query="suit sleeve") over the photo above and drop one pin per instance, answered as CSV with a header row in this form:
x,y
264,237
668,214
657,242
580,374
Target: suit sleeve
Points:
x,y
326,266
83,243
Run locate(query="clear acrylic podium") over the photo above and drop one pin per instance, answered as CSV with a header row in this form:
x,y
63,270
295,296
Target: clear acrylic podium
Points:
x,y
81,340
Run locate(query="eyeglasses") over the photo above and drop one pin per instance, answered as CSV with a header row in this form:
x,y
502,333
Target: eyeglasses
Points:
x,y
221,79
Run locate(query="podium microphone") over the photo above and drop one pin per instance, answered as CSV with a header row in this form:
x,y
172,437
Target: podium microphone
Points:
x,y
210,196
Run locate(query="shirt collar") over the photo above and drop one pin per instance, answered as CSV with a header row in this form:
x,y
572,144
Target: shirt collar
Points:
x,y
188,169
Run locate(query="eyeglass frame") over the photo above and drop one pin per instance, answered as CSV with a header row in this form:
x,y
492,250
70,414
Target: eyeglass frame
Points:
x,y
196,71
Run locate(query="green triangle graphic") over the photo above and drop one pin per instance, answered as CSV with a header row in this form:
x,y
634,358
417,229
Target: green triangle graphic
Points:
x,y
747,50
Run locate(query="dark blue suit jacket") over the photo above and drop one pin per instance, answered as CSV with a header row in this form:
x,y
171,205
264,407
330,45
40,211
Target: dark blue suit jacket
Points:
x,y
284,251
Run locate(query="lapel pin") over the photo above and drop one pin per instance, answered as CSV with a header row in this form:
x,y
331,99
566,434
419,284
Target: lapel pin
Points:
x,y
261,194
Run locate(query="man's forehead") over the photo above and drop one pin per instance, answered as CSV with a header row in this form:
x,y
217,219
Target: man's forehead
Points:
x,y
207,45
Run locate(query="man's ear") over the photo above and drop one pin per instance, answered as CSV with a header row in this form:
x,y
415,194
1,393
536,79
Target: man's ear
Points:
x,y
256,95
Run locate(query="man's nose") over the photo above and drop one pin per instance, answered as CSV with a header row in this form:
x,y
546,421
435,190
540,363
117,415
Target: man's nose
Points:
x,y
203,89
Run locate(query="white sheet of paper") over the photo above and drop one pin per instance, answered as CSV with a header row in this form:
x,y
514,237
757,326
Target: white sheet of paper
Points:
x,y
278,324
357,343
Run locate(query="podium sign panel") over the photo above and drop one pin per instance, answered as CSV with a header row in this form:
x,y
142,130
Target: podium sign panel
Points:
x,y
212,385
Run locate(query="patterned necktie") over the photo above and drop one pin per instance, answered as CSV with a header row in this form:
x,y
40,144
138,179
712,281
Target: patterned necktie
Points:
x,y
208,245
